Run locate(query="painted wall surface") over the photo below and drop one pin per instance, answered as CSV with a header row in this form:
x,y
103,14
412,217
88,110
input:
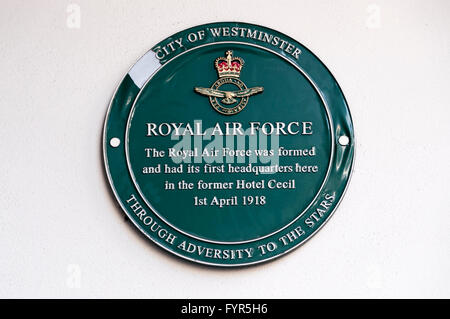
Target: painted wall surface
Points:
x,y
62,233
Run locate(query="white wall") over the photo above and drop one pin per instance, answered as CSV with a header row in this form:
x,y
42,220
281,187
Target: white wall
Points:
x,y
61,233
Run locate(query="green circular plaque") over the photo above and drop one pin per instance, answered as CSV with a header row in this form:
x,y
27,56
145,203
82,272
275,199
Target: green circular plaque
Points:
x,y
228,144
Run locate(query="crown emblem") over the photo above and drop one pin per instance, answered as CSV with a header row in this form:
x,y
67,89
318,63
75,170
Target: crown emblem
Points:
x,y
230,66
229,102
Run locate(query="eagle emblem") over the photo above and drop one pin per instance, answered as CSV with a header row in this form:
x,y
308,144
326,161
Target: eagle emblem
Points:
x,y
229,71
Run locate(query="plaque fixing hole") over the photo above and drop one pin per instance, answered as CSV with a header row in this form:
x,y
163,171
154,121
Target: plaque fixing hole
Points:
x,y
114,142
344,140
